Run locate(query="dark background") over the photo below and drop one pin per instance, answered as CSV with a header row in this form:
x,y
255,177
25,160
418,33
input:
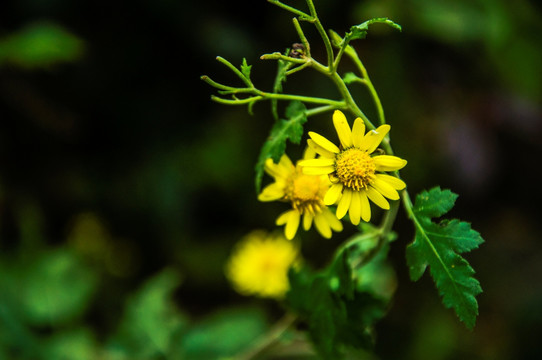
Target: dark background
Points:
x,y
116,156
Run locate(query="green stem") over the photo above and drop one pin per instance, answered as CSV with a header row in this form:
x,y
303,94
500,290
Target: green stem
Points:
x,y
367,81
302,37
345,93
279,56
293,10
322,32
269,339
407,204
376,100
235,70
307,99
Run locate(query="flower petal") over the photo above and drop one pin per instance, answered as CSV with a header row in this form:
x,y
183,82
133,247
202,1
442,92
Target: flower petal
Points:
x,y
333,194
388,163
395,182
317,162
281,170
342,128
385,189
320,150
322,226
358,130
307,220
283,218
344,203
365,206
292,224
323,142
355,208
373,138
377,198
272,192
318,170
332,220
309,153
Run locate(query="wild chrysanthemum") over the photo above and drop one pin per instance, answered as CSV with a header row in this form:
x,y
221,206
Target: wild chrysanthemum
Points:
x,y
356,174
259,264
304,192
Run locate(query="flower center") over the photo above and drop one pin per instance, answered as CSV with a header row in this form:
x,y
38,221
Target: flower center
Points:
x,y
306,192
355,168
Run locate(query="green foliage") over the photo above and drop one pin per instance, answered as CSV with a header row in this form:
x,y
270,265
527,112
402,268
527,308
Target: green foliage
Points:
x,y
223,334
151,324
360,31
44,298
438,246
342,302
245,69
283,130
350,78
49,289
40,45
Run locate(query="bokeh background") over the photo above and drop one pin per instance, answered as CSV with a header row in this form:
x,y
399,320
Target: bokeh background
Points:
x,y
123,187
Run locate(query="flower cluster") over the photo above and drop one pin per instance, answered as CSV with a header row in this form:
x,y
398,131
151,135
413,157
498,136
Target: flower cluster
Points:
x,y
304,192
348,176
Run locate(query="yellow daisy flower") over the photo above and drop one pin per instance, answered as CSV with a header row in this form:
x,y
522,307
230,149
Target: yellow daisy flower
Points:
x,y
357,176
259,265
304,192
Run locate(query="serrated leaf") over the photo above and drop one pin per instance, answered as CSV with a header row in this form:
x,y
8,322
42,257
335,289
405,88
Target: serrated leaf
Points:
x,y
282,131
360,31
435,202
438,246
245,68
339,309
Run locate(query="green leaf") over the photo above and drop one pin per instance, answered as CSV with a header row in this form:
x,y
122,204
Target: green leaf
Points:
x,y
283,130
350,77
360,31
223,334
438,246
56,288
342,302
40,45
151,323
245,68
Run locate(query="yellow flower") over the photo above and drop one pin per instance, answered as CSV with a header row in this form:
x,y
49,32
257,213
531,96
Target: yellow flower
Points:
x,y
259,264
357,176
304,192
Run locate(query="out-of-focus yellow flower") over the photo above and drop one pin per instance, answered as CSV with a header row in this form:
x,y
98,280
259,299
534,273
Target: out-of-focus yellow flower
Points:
x,y
304,192
357,176
259,264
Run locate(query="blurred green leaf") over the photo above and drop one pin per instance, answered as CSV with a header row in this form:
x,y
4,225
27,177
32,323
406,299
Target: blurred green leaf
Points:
x,y
223,334
283,130
40,45
438,246
74,344
152,323
56,287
